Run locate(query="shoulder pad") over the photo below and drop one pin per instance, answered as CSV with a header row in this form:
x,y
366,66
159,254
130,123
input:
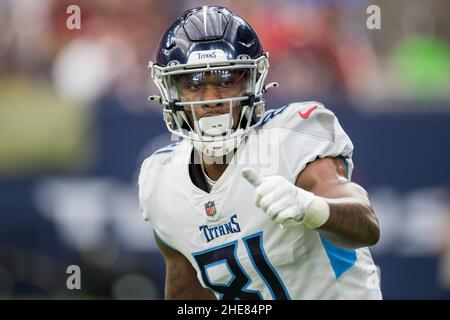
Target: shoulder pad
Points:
x,y
162,155
159,157
310,118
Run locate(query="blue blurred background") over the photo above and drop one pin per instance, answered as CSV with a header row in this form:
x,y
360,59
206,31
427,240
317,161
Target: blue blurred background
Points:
x,y
75,125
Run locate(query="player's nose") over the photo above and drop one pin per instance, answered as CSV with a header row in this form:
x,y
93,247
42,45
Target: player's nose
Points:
x,y
211,93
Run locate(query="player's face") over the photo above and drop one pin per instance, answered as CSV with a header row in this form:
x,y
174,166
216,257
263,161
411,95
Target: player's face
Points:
x,y
212,85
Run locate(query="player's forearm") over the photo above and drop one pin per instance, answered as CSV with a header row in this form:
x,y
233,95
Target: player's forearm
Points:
x,y
182,292
351,224
340,209
180,285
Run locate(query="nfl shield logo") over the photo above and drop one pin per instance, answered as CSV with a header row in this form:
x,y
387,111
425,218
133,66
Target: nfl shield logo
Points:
x,y
210,208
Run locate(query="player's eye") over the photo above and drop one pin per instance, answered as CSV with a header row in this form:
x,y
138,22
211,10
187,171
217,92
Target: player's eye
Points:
x,y
194,86
225,84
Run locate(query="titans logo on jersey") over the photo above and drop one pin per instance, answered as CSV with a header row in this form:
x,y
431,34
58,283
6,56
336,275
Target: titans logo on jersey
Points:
x,y
212,232
236,250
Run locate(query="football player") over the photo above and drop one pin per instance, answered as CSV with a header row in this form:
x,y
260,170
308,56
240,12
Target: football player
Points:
x,y
250,204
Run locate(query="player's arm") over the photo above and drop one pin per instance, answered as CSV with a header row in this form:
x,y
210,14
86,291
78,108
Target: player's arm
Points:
x,y
323,199
351,222
181,278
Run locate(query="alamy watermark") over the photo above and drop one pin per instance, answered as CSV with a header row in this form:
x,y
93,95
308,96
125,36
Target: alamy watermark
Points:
x,y
73,21
373,21
73,281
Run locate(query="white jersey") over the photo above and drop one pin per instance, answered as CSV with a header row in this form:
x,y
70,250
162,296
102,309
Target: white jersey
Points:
x,y
237,251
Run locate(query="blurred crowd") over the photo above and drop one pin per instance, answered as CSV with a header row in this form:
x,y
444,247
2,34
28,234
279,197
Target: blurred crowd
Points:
x,y
54,79
319,50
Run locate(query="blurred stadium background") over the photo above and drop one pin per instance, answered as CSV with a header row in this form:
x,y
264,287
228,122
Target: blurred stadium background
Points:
x,y
75,125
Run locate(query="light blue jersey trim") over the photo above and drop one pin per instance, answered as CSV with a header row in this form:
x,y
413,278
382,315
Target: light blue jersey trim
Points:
x,y
340,259
164,151
260,235
167,149
271,114
234,244
347,164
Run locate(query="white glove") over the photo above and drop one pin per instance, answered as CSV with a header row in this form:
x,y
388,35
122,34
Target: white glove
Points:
x,y
285,203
